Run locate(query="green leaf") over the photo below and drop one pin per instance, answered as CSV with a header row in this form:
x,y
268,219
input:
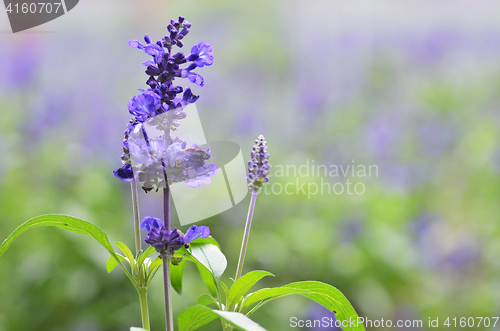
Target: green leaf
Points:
x,y
206,300
269,294
112,263
208,278
239,320
70,224
153,269
127,252
194,317
322,293
211,257
144,255
243,284
137,329
208,240
226,292
176,272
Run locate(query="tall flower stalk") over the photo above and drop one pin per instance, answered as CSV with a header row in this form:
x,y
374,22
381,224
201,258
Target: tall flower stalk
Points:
x,y
167,257
137,218
156,161
258,169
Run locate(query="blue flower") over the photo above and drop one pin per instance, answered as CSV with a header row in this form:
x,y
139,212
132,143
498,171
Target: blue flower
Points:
x,y
162,240
124,173
197,177
201,55
144,106
152,158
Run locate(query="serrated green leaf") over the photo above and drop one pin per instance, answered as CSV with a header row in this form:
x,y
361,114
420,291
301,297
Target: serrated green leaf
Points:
x,y
176,272
322,293
112,263
211,257
206,300
194,317
68,223
243,284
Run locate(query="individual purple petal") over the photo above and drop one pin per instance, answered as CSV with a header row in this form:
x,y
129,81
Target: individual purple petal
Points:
x,y
196,78
189,97
149,223
144,106
197,177
201,55
124,173
135,44
195,232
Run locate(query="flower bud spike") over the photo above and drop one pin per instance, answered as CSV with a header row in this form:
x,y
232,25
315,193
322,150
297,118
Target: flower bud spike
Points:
x,y
259,165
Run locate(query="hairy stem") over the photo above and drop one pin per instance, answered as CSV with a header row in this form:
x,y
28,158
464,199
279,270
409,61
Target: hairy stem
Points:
x,y
135,208
143,299
167,257
246,234
169,318
166,206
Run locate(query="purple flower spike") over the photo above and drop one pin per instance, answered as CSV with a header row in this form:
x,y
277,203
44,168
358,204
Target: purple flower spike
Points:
x,y
202,55
124,173
259,165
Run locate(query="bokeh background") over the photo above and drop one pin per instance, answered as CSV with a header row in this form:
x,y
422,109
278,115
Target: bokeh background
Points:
x,y
410,86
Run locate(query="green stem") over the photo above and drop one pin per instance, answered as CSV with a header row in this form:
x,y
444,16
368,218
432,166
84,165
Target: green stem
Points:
x,y
226,326
248,225
169,316
135,207
143,299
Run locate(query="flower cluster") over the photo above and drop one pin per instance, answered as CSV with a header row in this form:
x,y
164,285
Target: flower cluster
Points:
x,y
164,68
155,161
162,240
157,158
259,165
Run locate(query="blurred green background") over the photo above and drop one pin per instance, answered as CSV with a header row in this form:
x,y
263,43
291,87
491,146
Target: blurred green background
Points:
x,y
412,87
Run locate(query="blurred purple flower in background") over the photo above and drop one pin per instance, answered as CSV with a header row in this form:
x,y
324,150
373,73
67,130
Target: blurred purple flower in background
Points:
x,y
321,318
456,252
